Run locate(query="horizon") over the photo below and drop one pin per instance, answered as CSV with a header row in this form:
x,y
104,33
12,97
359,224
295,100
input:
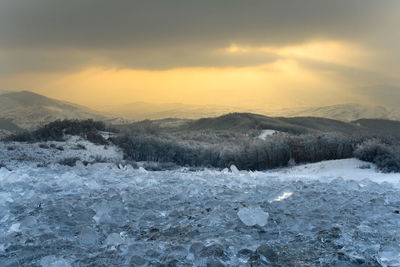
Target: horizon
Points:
x,y
267,55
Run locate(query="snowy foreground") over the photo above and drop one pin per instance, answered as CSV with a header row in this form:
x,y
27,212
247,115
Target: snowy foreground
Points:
x,y
334,213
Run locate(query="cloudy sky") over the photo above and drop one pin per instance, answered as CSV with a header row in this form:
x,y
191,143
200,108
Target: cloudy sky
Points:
x,y
266,53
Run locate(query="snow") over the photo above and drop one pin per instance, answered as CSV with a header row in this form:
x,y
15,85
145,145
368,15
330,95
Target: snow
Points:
x,y
266,133
347,169
51,152
332,213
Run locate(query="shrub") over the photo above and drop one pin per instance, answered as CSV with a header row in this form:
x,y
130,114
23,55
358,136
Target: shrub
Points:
x,y
385,156
71,162
96,138
159,166
56,130
44,146
79,147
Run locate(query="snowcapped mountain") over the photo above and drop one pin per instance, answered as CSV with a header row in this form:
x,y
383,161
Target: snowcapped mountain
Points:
x,y
28,110
345,112
138,111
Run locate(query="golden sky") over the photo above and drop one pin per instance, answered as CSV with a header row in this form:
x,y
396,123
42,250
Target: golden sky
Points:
x,y
265,54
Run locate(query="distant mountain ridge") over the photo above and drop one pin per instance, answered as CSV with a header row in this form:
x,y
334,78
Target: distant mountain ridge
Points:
x,y
27,110
343,112
138,111
245,123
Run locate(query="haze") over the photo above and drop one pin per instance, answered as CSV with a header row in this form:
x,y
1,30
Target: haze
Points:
x,y
266,54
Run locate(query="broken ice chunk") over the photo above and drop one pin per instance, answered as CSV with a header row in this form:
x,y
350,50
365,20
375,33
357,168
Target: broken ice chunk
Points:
x,y
283,196
253,216
389,256
234,169
87,236
114,239
53,261
15,228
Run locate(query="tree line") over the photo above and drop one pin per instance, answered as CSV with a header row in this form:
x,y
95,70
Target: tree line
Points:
x,y
221,149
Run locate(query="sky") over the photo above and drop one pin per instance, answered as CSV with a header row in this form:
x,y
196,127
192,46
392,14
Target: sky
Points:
x,y
268,54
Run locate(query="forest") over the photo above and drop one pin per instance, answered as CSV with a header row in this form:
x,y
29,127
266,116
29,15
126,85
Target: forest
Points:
x,y
198,145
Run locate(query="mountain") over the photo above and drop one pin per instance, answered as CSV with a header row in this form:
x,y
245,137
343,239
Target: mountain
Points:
x,y
296,125
27,110
138,111
245,123
389,127
345,112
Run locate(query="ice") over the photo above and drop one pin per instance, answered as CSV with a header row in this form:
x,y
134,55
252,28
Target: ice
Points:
x,y
102,209
325,214
15,227
234,169
253,216
114,239
29,222
53,261
88,236
142,170
283,196
389,256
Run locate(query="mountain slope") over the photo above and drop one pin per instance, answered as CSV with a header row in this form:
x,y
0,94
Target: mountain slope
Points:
x,y
388,127
245,123
346,112
28,110
142,111
296,125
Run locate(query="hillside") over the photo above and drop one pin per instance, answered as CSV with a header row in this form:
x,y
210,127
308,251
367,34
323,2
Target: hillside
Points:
x,y
345,112
247,122
139,111
27,110
389,127
297,125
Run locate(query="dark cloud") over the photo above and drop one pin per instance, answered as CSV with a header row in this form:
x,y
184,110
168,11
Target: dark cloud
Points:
x,y
125,31
108,24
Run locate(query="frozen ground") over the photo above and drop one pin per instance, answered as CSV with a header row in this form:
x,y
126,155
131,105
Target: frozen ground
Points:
x,y
51,152
324,214
266,133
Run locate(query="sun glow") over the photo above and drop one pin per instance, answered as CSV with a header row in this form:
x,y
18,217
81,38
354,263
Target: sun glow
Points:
x,y
333,52
283,82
